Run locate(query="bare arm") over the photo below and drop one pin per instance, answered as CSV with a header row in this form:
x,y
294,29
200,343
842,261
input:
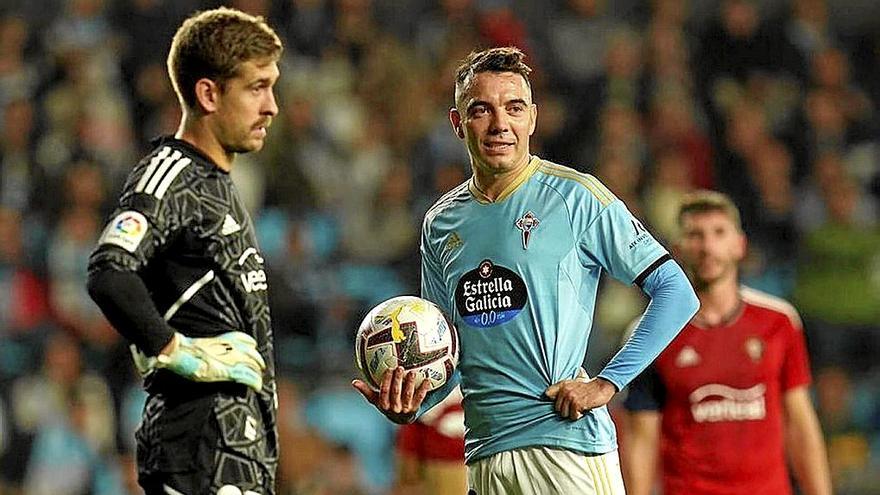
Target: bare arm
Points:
x,y
804,443
409,475
641,451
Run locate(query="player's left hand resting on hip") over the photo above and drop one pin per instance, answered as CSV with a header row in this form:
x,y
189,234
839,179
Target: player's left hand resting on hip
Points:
x,y
229,357
576,396
398,398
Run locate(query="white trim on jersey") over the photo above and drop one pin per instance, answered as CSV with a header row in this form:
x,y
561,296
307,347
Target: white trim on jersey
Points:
x,y
188,294
170,491
151,168
250,251
157,175
767,301
175,171
161,172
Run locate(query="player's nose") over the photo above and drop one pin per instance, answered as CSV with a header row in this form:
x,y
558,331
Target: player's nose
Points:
x,y
270,106
499,123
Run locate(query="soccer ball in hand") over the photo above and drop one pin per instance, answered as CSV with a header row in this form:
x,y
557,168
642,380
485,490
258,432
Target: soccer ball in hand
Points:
x,y
410,332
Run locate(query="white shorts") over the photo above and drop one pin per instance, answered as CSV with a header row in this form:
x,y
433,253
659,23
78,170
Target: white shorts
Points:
x,y
546,471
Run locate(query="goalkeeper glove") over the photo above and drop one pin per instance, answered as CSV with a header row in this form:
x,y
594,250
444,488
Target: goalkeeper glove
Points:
x,y
230,357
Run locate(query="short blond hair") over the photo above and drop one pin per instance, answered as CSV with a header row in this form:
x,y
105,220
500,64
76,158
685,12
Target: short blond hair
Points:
x,y
703,201
213,44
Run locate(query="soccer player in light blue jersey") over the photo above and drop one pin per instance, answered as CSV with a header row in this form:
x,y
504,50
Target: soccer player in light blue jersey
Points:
x,y
514,255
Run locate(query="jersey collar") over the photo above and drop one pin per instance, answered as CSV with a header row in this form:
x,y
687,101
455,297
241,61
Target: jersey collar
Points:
x,y
189,148
518,181
728,319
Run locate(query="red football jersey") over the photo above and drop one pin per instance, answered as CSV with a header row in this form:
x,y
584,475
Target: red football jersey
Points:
x,y
438,435
722,422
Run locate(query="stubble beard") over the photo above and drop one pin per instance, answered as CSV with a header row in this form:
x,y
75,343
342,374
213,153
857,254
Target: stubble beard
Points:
x,y
704,284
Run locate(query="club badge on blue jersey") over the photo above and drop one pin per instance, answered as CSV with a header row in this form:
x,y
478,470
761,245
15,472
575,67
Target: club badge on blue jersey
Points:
x,y
490,295
527,223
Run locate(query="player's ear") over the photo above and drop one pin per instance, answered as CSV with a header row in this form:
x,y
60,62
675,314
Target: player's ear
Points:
x,y
675,247
533,118
207,94
742,246
455,120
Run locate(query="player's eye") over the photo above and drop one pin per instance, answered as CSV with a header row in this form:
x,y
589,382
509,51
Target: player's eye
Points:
x,y
516,109
478,111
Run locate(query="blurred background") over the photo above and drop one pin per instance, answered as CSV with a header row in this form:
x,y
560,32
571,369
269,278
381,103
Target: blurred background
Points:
x,y
773,102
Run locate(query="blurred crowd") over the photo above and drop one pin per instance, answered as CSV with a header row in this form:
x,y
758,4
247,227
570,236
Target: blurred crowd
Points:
x,y
773,102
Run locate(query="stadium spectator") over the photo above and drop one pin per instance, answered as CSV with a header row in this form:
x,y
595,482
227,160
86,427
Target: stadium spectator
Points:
x,y
840,257
63,461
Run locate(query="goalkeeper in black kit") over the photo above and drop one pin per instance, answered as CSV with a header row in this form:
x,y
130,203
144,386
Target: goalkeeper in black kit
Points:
x,y
178,271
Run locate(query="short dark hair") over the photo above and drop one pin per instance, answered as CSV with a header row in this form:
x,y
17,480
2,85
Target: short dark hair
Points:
x,y
502,59
213,44
704,201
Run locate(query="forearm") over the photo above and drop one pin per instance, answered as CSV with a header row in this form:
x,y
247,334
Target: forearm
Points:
x,y
673,304
811,470
640,453
806,450
639,470
126,303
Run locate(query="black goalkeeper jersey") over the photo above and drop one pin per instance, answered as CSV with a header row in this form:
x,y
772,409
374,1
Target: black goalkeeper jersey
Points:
x,y
181,226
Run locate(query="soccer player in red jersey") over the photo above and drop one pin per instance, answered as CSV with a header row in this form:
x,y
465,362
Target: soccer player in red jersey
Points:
x,y
726,403
431,451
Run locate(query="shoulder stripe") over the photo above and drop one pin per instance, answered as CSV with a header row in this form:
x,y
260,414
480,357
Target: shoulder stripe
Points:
x,y
764,300
170,176
142,183
448,198
158,172
601,187
452,193
599,191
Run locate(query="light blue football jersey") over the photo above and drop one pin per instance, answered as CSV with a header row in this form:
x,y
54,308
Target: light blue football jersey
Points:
x,y
519,277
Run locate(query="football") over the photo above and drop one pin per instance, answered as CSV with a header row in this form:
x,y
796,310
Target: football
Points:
x,y
410,332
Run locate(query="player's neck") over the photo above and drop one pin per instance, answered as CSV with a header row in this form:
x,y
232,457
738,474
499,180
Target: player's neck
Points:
x,y
197,133
491,185
719,303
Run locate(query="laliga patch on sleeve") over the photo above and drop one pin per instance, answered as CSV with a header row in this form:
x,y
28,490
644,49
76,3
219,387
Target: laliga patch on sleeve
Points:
x,y
126,231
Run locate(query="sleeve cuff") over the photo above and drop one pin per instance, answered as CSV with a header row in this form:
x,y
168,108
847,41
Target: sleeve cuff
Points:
x,y
640,279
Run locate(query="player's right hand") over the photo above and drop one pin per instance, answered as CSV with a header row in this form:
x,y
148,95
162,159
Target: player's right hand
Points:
x,y
397,397
229,357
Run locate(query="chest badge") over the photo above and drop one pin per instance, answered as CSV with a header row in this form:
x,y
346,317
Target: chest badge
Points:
x,y
687,357
527,223
754,347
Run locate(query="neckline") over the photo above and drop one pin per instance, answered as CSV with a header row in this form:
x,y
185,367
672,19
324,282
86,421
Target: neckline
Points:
x,y
728,320
517,182
169,139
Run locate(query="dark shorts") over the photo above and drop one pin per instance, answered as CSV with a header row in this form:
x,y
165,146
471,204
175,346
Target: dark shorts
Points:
x,y
199,446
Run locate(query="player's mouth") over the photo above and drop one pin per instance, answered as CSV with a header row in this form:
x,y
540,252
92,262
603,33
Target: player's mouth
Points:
x,y
498,146
260,129
710,265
